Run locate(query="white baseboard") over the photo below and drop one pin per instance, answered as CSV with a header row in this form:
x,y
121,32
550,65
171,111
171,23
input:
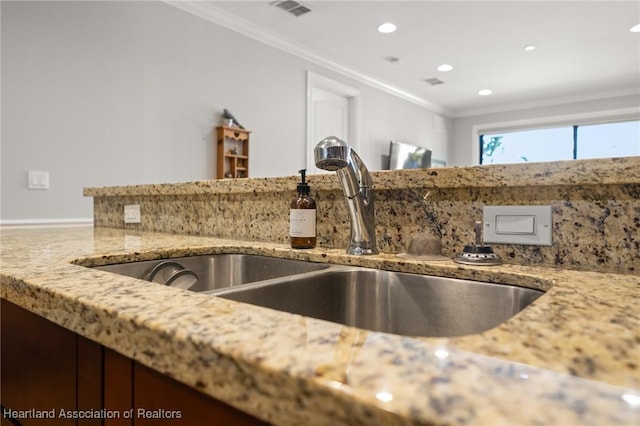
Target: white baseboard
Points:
x,y
31,223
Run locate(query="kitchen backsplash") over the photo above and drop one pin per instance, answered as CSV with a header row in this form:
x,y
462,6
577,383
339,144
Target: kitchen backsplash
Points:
x,y
595,204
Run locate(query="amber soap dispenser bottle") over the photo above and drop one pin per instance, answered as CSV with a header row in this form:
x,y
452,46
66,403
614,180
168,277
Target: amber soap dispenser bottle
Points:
x,y
302,217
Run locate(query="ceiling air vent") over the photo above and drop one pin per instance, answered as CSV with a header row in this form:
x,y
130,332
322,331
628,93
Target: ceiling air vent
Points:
x,y
292,7
434,81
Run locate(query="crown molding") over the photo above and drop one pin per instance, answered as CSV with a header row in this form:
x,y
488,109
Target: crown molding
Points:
x,y
232,22
632,91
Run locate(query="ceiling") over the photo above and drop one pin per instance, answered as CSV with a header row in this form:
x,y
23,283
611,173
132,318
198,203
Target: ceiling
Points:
x,y
584,49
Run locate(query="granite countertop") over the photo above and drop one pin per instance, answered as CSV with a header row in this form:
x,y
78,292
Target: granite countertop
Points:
x,y
570,358
583,172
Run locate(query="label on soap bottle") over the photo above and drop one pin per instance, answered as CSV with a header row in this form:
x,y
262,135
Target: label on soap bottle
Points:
x,y
302,223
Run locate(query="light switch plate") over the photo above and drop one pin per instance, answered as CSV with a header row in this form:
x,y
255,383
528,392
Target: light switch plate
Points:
x,y
132,213
38,180
525,225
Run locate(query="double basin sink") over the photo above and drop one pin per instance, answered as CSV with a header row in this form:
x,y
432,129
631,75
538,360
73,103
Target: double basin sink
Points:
x,y
372,299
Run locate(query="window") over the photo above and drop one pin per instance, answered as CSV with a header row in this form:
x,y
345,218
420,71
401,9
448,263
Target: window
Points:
x,y
608,140
618,139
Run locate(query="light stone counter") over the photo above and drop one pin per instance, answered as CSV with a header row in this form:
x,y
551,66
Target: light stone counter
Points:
x,y
571,358
623,170
595,208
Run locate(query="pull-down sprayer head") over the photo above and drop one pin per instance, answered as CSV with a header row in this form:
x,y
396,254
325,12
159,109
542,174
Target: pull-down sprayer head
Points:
x,y
332,154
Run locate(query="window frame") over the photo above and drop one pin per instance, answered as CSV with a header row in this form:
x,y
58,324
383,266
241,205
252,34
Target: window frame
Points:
x,y
569,120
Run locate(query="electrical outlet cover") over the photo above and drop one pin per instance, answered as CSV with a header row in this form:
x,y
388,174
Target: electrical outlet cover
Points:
x,y
132,213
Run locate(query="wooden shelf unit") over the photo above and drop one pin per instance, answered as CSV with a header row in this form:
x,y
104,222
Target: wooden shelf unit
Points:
x,y
232,152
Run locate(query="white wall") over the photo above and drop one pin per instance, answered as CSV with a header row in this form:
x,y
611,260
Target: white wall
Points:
x,y
412,125
119,93
463,148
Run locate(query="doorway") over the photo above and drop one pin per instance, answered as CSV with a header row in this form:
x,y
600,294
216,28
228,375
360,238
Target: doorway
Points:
x,y
332,110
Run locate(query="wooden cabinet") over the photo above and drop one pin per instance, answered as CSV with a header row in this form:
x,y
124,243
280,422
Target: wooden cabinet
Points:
x,y
37,357
232,152
118,387
180,404
46,367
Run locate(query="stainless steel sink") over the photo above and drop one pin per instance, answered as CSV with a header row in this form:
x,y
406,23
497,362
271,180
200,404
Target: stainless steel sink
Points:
x,y
219,270
393,302
400,303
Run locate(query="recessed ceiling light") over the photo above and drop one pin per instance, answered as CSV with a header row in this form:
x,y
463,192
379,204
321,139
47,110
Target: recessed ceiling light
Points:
x,y
387,28
635,29
485,92
529,48
445,67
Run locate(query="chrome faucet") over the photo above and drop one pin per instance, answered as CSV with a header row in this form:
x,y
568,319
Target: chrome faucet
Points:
x,y
334,154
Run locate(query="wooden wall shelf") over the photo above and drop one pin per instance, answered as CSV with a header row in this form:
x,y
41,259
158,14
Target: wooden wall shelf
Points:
x,y
232,152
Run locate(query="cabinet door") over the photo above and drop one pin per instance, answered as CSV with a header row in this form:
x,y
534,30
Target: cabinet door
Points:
x,y
90,383
49,369
156,394
38,366
118,387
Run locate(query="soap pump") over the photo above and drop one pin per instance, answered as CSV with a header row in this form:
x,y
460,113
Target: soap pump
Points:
x,y
302,216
